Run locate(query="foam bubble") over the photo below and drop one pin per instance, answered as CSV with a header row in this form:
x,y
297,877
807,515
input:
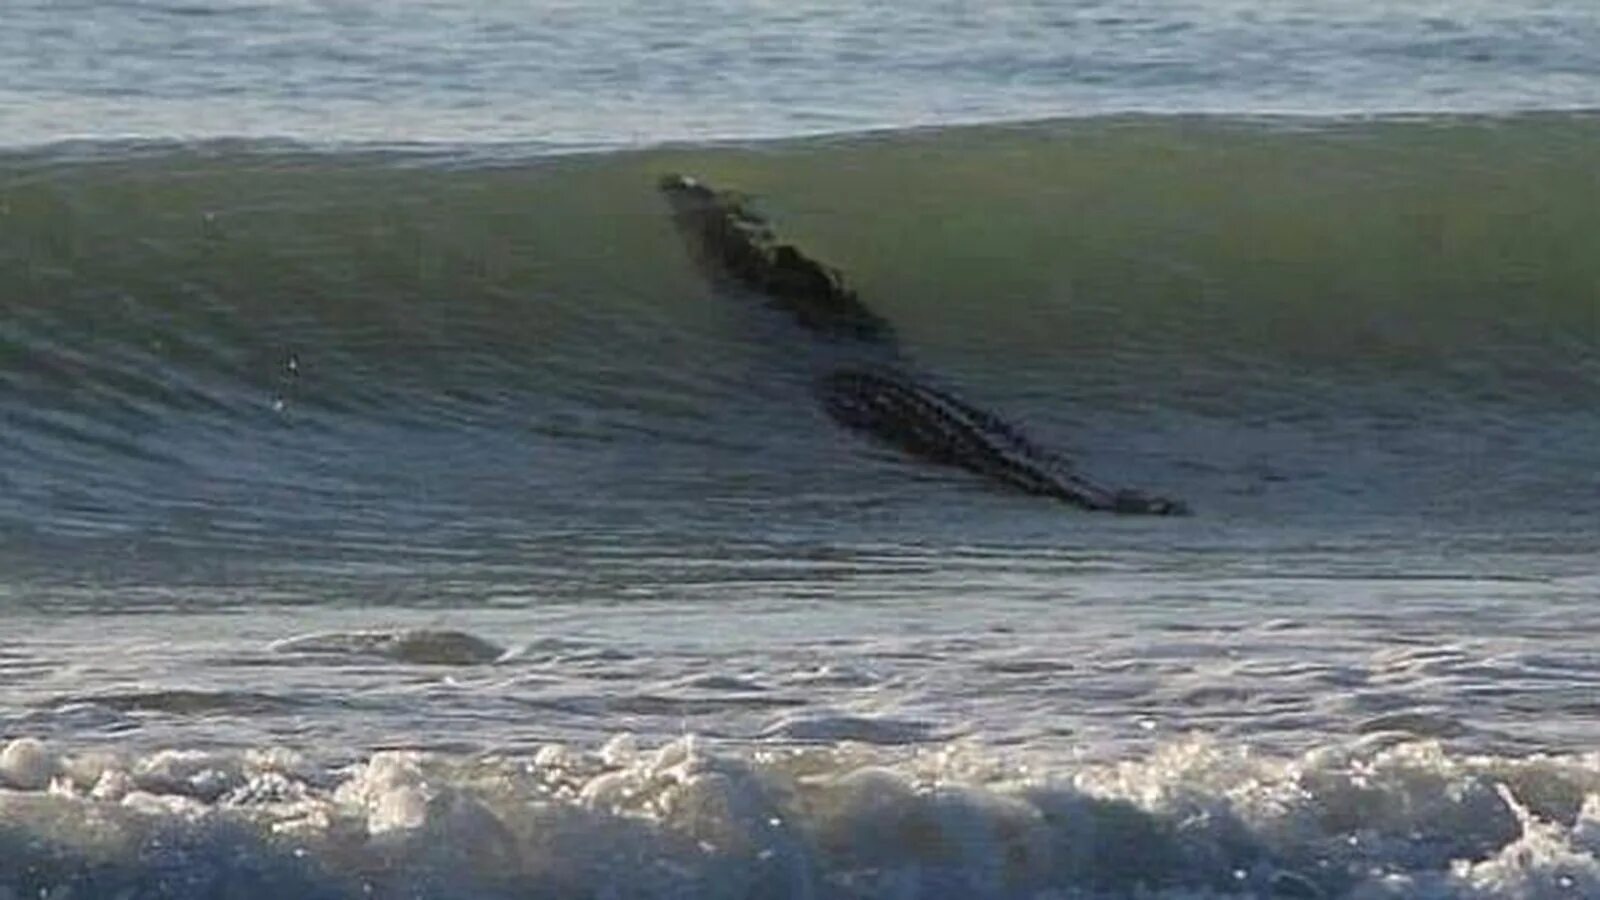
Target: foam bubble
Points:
x,y
26,764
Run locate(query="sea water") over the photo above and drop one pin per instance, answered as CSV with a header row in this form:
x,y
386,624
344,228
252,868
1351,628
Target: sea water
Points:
x,y
389,507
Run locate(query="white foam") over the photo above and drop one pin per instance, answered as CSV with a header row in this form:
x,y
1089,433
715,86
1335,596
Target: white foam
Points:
x,y
26,764
689,818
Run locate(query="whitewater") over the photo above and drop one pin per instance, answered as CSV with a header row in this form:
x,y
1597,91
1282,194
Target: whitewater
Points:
x,y
391,507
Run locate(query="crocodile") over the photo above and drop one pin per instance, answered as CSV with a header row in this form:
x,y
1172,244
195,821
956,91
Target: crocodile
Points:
x,y
737,247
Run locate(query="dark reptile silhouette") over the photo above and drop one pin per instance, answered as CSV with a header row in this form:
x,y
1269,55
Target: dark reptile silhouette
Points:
x,y
736,247
733,245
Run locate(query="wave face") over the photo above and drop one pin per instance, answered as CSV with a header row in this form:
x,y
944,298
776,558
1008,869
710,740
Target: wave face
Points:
x,y
251,345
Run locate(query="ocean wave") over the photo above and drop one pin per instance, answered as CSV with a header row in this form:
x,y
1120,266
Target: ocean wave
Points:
x,y
225,276
1250,315
690,818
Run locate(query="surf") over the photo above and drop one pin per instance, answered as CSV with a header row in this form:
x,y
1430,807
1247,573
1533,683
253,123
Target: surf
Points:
x,y
1399,286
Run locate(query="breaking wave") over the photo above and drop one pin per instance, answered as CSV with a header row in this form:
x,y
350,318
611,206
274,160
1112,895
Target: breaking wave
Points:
x,y
848,821
259,346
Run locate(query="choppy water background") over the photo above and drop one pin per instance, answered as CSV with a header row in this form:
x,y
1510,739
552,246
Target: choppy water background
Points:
x,y
387,506
579,73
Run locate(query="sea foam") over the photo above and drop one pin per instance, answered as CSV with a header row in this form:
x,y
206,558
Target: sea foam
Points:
x,y
695,819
